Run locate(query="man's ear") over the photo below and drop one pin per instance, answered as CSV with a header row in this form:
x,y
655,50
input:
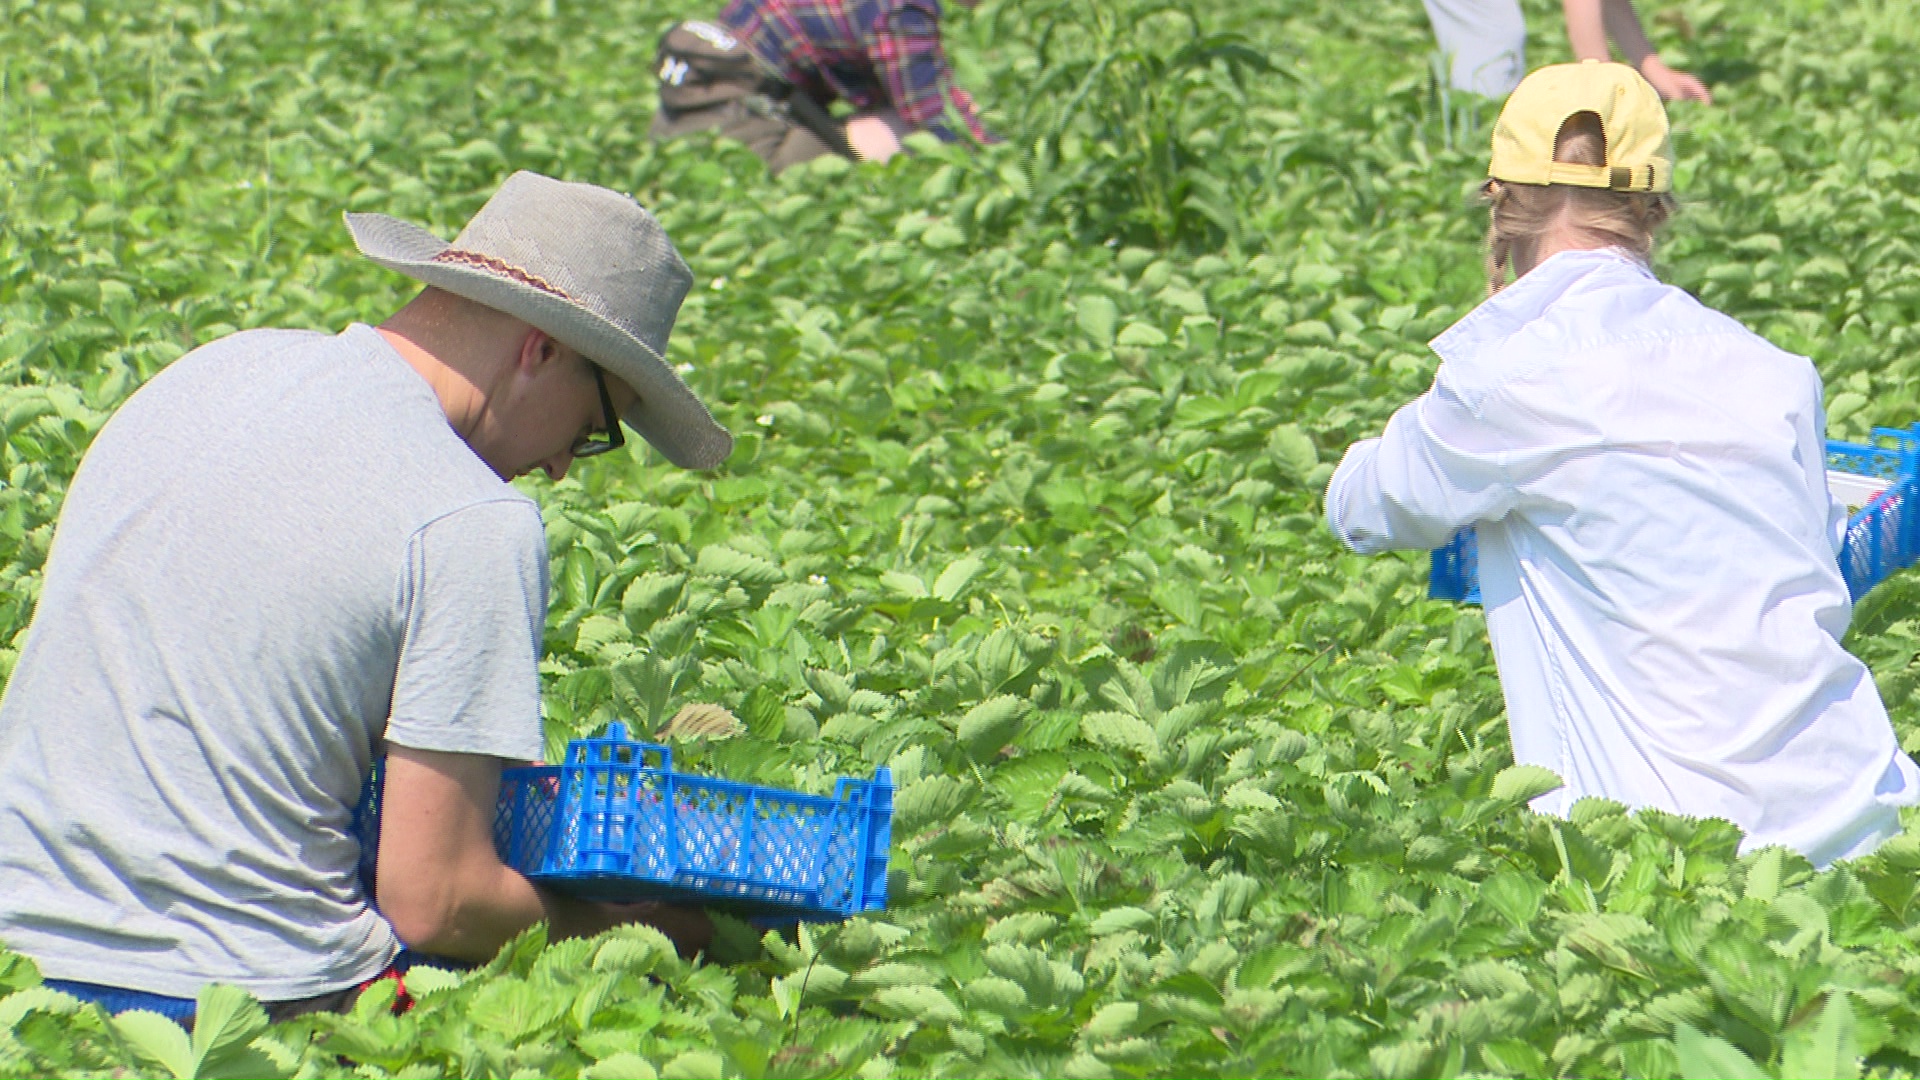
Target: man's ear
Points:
x,y
537,350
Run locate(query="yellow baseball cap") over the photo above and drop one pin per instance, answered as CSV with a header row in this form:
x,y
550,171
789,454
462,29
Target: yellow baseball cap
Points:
x,y
1639,156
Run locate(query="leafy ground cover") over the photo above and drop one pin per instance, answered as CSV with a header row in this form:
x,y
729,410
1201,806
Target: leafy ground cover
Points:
x,y
1025,506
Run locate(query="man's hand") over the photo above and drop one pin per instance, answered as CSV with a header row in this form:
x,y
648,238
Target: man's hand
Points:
x,y
443,887
1674,85
872,138
687,927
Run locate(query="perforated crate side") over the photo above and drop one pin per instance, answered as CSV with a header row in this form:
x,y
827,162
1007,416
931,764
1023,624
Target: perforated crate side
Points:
x,y
1883,538
876,840
366,826
616,823
1893,454
1454,572
523,820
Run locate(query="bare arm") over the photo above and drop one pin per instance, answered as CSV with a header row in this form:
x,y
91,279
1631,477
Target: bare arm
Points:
x,y
444,888
1623,27
1590,23
1586,29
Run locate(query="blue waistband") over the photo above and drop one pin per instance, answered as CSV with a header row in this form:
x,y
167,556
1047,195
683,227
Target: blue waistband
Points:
x,y
116,1000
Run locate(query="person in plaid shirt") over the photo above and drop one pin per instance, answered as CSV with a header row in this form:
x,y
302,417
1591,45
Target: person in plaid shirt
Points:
x,y
766,70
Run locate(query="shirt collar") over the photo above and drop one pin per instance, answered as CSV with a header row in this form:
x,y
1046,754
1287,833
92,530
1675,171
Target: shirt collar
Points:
x,y
1508,311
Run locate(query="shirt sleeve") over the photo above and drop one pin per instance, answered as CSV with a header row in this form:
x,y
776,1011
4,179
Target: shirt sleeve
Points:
x,y
911,65
474,600
1442,465
1837,513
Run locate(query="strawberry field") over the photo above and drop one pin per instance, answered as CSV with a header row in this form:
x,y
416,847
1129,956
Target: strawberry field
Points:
x,y
1025,505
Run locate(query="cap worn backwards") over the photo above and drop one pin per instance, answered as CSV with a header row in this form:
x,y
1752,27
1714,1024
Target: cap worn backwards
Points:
x,y
1639,155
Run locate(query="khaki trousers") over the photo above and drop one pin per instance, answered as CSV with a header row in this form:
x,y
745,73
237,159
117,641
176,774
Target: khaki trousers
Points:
x,y
755,119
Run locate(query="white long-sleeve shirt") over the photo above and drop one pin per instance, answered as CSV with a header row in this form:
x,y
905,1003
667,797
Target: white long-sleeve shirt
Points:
x,y
1657,554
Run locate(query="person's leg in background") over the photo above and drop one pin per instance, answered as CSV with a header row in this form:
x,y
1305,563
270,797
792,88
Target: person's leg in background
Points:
x,y
1484,43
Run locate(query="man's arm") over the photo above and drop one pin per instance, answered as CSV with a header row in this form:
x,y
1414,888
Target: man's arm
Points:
x,y
445,890
911,65
1591,22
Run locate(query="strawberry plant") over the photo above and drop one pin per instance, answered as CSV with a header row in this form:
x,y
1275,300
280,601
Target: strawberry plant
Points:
x,y
1025,505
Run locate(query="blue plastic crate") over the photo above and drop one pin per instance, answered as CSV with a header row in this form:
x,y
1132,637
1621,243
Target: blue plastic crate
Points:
x,y
1880,540
1893,455
1456,569
616,822
1883,537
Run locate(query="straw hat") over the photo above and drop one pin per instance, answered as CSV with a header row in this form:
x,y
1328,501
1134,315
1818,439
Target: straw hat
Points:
x,y
590,267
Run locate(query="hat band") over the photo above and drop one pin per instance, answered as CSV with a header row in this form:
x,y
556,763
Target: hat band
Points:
x,y
1620,178
503,268
1614,178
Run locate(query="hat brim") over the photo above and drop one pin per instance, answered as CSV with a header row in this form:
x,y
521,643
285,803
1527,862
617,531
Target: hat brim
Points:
x,y
666,411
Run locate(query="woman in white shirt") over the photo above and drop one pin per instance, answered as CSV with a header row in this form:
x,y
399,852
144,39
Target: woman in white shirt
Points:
x,y
1647,479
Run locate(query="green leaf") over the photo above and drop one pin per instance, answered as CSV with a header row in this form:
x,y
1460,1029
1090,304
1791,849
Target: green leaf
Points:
x,y
695,1065
1844,405
921,1004
1120,731
226,1021
1825,1044
1293,451
515,1010
637,950
1139,334
1125,917
1763,874
811,982
1021,926
1523,783
991,724
425,979
622,1066
1097,316
928,801
749,570
956,577
159,1040
904,583
44,999
1113,1020
1515,896
880,976
1709,1057
991,993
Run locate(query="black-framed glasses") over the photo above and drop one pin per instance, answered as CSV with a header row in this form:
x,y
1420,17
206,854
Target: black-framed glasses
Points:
x,y
599,442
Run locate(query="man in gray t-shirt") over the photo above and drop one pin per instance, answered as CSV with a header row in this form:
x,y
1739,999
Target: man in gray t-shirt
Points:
x,y
289,546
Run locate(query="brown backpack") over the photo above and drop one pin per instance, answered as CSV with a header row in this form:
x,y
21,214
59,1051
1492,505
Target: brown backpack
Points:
x,y
702,64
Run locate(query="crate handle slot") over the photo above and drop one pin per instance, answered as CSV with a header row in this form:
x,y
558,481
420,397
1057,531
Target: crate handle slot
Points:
x,y
616,748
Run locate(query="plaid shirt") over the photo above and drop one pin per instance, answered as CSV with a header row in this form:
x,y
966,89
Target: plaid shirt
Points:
x,y
871,53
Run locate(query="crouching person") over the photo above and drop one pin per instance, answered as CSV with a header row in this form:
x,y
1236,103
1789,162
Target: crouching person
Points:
x,y
766,73
1647,478
289,548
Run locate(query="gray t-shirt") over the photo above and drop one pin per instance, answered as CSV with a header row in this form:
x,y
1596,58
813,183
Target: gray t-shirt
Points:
x,y
276,544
